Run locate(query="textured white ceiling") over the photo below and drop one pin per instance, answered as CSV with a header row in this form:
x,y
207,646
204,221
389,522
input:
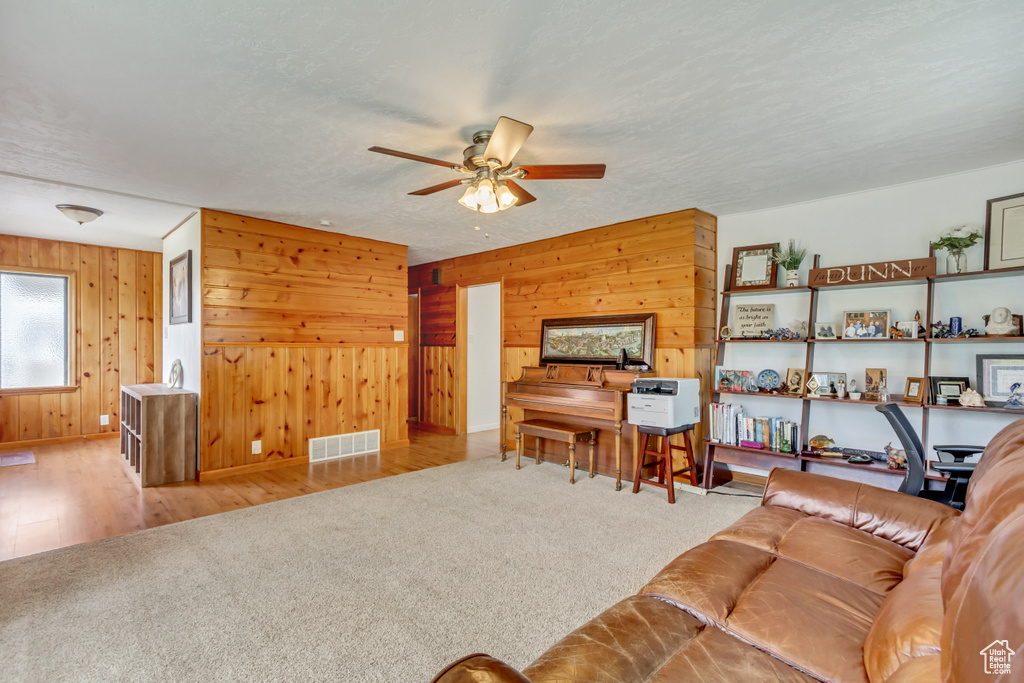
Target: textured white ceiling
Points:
x,y
267,108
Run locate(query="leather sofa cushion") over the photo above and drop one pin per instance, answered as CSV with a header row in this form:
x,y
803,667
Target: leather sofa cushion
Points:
x,y
933,550
707,580
847,553
908,625
994,499
763,527
479,668
630,641
813,621
918,670
987,606
1009,439
896,517
716,656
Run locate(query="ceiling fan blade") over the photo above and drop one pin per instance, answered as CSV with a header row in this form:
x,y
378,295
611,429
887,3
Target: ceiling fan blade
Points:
x,y
522,195
563,171
438,188
417,157
508,136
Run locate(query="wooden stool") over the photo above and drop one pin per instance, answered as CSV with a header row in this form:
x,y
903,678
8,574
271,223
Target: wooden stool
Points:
x,y
663,459
567,433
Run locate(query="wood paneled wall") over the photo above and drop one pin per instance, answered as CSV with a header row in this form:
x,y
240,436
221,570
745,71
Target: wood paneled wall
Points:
x,y
439,387
117,307
298,340
665,264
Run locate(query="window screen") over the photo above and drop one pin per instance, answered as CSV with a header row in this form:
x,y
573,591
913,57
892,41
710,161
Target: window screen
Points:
x,y
33,330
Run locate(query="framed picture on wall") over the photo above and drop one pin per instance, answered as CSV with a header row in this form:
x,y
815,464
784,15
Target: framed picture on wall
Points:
x,y
181,289
753,267
1004,232
598,339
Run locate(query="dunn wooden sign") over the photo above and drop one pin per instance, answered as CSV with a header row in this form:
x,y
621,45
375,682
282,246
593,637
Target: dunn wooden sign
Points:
x,y
886,271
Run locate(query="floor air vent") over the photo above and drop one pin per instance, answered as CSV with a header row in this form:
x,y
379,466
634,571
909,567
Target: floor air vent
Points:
x,y
344,445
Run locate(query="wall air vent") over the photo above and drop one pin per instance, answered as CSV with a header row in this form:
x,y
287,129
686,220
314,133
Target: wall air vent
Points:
x,y
343,445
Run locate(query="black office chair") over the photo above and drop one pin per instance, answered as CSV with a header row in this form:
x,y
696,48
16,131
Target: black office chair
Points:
x,y
951,462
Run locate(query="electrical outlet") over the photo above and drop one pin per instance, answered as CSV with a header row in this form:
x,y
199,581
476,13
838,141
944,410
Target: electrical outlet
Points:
x,y
257,446
399,335
104,420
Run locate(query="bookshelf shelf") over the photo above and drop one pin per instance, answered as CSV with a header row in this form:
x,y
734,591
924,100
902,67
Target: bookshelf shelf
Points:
x,y
767,458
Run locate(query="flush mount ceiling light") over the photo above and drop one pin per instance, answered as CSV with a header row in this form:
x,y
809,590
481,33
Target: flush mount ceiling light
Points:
x,y
79,214
491,186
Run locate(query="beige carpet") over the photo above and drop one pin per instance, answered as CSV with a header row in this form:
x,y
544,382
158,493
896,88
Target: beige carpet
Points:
x,y
383,581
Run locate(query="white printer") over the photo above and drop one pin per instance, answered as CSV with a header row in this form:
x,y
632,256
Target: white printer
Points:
x,y
664,402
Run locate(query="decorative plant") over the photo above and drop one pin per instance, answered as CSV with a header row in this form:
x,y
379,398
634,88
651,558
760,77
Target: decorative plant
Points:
x,y
791,257
955,240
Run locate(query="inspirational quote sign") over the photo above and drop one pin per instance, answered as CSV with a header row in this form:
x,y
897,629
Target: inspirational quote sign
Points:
x,y
753,319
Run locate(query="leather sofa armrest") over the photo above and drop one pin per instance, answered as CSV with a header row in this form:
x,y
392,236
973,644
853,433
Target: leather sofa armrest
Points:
x,y
479,668
897,517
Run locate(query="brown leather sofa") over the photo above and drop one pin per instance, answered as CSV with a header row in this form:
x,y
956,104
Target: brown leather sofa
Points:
x,y
828,580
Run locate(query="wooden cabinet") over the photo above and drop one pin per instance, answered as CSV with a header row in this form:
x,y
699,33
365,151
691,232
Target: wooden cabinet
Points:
x,y
158,433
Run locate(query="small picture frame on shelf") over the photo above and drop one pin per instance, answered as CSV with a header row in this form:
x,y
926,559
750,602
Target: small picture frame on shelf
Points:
x,y
732,380
825,330
753,267
865,324
948,389
997,373
1004,232
795,381
908,328
874,378
914,391
825,384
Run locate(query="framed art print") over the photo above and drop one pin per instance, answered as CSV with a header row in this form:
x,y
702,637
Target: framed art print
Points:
x,y
949,388
997,373
914,392
1004,232
181,289
753,267
598,339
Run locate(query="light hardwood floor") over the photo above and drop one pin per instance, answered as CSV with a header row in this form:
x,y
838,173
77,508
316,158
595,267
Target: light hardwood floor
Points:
x,y
80,492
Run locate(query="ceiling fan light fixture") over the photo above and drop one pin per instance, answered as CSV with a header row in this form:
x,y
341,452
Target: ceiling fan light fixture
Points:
x,y
79,214
491,207
468,199
504,197
485,192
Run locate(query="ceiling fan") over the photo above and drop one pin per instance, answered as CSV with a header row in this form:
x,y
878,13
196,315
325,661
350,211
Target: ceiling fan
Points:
x,y
490,175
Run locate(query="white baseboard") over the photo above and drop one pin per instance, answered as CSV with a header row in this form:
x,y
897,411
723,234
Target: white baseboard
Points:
x,y
482,428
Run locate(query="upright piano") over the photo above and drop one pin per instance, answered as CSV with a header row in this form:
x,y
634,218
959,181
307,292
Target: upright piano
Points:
x,y
590,395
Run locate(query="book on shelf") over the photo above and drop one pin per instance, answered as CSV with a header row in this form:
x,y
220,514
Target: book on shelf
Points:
x,y
731,425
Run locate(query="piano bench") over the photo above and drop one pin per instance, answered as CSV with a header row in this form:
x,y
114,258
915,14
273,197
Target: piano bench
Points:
x,y
558,431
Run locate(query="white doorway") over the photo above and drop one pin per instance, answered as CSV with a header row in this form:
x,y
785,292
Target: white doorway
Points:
x,y
483,357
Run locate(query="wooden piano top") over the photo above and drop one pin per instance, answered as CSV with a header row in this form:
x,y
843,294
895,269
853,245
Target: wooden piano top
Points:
x,y
584,390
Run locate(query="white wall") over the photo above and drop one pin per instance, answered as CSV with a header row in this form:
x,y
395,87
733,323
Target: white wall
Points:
x,y
483,358
184,340
888,223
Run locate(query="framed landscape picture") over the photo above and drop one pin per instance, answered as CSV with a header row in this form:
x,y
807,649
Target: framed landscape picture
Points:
x,y
598,339
753,267
181,289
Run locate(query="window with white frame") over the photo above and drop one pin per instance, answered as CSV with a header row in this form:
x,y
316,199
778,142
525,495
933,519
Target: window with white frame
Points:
x,y
35,349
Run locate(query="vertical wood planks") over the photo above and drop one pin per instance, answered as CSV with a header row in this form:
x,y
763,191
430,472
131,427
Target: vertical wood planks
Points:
x,y
112,301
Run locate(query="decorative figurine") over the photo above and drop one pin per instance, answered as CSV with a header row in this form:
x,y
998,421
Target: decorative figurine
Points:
x,y
1016,400
895,333
840,388
820,442
896,457
920,327
971,399
1001,323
